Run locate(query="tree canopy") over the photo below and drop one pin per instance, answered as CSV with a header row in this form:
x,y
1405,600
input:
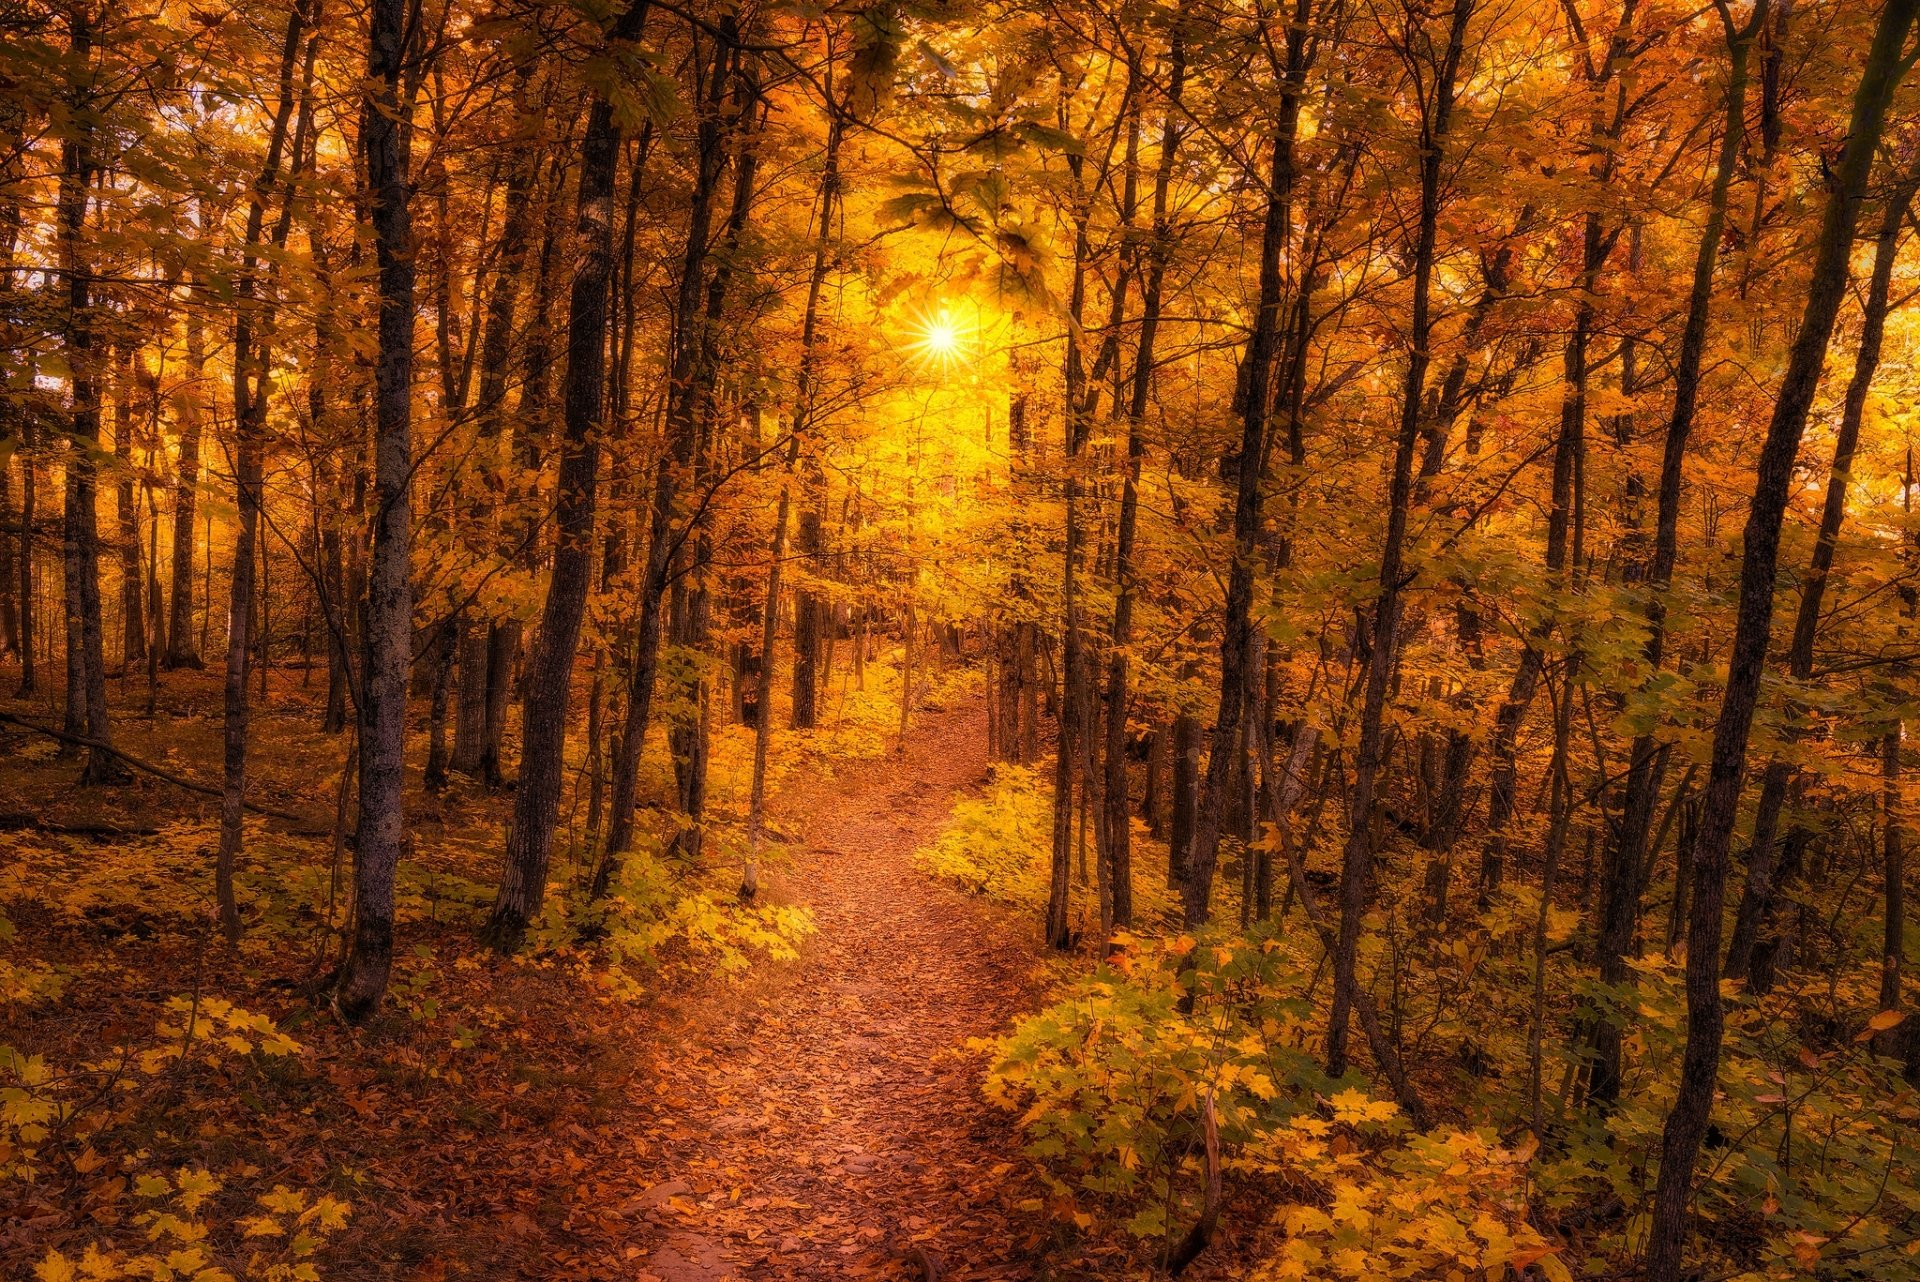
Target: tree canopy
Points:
x,y
1411,501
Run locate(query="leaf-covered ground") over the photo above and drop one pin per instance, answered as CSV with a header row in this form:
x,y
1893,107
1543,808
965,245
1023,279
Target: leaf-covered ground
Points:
x,y
820,1118
825,1120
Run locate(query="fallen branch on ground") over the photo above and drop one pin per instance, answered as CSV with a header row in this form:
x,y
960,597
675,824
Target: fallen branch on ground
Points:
x,y
309,825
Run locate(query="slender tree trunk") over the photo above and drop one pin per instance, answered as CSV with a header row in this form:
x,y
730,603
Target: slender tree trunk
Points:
x,y
28,487
15,548
1647,757
1256,393
251,361
470,716
86,663
536,801
1760,891
386,138
183,651
1686,1124
443,655
802,420
1119,813
1356,865
1059,932
1893,886
9,576
483,687
683,424
133,630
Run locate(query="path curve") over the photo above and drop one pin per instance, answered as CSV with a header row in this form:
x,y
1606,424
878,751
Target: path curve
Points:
x,y
825,1120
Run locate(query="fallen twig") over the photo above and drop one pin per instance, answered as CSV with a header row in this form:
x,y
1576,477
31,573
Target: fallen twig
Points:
x,y
147,767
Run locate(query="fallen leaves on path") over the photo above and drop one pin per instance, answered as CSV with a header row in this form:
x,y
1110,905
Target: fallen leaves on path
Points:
x,y
825,1120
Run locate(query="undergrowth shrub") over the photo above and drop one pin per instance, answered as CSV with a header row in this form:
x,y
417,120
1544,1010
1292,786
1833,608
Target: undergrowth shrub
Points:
x,y
998,844
1114,1084
663,912
1812,1170
179,1227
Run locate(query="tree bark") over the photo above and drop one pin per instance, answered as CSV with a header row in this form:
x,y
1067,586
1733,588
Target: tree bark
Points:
x,y
1686,1124
1119,817
133,629
251,374
683,424
386,138
1357,861
183,650
536,801
86,712
1760,892
1256,396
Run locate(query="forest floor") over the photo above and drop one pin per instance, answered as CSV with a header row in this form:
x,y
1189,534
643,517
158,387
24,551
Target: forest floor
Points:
x,y
816,1118
825,1119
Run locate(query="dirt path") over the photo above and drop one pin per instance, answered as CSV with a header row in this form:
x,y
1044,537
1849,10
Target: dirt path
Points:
x,y
826,1122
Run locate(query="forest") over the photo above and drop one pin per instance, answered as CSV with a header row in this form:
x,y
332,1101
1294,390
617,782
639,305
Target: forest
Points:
x,y
680,640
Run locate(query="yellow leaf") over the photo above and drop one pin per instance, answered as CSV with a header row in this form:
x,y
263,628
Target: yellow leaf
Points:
x,y
1881,1023
55,1268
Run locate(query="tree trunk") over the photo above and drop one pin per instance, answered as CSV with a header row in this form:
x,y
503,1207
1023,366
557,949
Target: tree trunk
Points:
x,y
683,425
133,629
387,647
1686,1124
86,663
28,495
183,650
1256,395
14,546
1369,757
443,654
470,718
251,365
1119,812
1893,883
1760,892
536,800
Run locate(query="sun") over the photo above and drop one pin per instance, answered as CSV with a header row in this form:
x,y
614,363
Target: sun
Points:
x,y
940,340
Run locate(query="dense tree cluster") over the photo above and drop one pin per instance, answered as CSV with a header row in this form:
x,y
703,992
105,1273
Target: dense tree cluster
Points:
x,y
1410,465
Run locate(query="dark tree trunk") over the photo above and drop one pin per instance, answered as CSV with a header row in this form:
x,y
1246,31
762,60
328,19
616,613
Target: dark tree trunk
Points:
x,y
1369,757
1256,396
536,800
14,546
1119,816
29,484
470,718
802,422
1759,894
1893,858
86,663
133,630
9,576
683,426
183,650
483,684
691,741
1686,1124
1185,766
251,361
503,653
1623,875
808,610
442,656
387,633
